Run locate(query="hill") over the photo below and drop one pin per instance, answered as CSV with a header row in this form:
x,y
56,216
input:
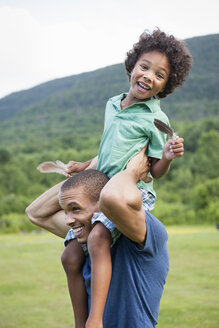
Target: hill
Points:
x,y
74,105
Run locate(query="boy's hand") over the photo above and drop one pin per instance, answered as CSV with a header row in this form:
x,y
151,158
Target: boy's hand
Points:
x,y
66,169
75,167
139,167
173,149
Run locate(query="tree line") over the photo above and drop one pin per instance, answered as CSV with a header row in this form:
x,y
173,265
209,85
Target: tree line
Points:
x,y
188,194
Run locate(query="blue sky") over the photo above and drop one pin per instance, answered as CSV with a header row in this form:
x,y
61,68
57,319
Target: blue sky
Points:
x,y
46,39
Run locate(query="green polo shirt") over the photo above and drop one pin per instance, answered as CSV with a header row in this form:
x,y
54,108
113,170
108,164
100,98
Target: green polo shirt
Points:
x,y
126,132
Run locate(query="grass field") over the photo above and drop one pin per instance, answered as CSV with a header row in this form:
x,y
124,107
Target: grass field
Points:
x,y
33,291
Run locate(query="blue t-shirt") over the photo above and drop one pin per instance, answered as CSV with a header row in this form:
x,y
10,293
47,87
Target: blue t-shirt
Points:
x,y
138,279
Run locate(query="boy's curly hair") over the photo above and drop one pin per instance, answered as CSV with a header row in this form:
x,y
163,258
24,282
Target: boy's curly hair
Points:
x,y
180,59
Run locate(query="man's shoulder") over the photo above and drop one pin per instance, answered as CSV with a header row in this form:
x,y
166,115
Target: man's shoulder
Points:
x,y
155,239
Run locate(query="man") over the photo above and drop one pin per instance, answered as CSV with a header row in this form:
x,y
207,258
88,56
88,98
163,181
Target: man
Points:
x,y
140,259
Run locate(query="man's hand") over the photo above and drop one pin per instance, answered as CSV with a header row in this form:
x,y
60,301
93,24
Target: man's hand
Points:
x,y
139,167
173,149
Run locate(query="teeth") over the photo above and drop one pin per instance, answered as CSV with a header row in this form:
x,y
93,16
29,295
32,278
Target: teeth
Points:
x,y
143,87
77,230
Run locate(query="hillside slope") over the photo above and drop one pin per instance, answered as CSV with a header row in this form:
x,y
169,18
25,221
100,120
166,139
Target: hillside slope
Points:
x,y
74,105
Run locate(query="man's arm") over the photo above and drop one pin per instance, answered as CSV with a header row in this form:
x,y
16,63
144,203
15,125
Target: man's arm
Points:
x,y
46,212
121,200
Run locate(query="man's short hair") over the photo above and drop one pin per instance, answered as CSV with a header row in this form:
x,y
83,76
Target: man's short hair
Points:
x,y
92,181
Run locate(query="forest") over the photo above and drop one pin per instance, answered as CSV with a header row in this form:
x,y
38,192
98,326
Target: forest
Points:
x,y
63,119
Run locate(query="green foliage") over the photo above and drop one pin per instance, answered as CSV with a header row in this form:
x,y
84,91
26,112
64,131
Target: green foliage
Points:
x,y
207,155
188,194
14,223
4,156
206,193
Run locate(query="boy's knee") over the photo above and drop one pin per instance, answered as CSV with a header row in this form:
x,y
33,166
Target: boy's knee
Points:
x,y
108,200
69,263
72,258
98,239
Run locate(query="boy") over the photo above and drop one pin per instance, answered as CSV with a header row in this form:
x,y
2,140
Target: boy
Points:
x,y
156,65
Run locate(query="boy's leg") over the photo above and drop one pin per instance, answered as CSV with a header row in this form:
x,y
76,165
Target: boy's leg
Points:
x,y
72,260
99,242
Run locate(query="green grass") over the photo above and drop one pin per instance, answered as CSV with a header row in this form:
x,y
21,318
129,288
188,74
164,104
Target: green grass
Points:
x,y
33,290
191,296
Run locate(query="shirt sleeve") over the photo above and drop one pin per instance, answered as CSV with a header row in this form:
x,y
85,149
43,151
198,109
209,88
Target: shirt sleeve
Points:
x,y
156,237
107,114
157,141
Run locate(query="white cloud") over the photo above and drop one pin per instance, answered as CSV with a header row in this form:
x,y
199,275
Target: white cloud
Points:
x,y
34,52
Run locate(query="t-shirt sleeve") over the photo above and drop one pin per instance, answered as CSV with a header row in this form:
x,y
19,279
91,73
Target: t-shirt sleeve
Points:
x,y
156,237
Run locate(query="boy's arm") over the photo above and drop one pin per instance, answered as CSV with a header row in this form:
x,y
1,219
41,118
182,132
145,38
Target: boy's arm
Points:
x,y
46,212
172,149
93,163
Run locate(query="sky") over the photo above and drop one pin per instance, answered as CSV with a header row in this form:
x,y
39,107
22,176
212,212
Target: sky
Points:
x,y
46,39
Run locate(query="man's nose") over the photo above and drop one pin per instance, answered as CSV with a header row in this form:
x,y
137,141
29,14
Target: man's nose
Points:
x,y
69,219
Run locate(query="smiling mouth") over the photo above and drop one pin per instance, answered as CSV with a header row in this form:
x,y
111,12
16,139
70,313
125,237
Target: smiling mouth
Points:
x,y
77,231
143,86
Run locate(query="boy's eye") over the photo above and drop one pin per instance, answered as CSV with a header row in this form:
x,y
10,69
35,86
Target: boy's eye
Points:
x,y
144,66
160,76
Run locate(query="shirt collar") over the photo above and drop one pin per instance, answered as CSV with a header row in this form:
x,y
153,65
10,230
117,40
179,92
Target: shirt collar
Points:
x,y
152,104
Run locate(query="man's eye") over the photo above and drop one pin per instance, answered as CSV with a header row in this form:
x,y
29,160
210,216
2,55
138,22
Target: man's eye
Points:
x,y
74,209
